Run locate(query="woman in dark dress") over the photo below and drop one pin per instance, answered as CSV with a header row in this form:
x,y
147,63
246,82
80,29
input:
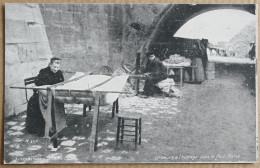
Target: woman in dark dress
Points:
x,y
50,75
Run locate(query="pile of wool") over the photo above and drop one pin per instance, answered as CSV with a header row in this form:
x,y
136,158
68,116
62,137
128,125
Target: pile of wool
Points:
x,y
176,59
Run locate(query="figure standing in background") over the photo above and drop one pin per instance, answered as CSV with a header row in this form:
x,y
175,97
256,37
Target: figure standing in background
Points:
x,y
252,51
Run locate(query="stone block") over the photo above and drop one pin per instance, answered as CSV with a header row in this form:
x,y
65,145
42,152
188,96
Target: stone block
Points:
x,y
46,15
37,15
11,54
97,21
11,75
44,51
93,48
45,36
99,35
18,12
25,71
114,22
20,109
17,73
36,66
12,98
16,32
32,5
27,52
67,17
108,8
9,112
93,8
114,48
115,35
36,32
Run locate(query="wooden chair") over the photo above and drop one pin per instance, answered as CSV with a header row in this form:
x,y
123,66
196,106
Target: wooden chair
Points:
x,y
105,70
28,81
122,131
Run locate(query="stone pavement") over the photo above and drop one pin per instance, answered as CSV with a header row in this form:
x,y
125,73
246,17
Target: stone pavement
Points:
x,y
22,147
212,122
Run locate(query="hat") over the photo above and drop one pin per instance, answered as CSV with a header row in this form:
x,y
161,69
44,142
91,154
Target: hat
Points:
x,y
149,53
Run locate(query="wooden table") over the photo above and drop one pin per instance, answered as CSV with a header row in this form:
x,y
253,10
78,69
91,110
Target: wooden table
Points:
x,y
89,90
182,70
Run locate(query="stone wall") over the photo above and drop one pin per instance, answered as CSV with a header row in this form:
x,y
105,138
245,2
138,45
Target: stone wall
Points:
x,y
85,36
88,36
27,50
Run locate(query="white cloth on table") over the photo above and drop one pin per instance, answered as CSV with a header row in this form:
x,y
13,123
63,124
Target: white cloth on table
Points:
x,y
101,83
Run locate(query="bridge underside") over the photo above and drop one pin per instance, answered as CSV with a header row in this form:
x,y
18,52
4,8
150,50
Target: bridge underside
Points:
x,y
175,16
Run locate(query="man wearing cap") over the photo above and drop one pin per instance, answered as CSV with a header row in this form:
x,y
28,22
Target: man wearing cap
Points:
x,y
155,72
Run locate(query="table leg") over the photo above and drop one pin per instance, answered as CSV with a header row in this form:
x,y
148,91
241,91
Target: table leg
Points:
x,y
181,76
96,137
47,120
84,110
53,121
192,74
137,87
113,109
117,106
48,115
93,137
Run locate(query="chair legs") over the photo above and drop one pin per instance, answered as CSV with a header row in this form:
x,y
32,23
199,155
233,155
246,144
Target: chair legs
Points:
x,y
122,132
140,128
117,133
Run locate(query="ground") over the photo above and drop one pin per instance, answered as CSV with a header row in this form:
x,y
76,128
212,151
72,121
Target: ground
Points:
x,y
212,122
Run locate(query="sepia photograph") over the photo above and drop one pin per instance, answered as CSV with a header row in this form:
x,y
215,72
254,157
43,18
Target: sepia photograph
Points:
x,y
130,83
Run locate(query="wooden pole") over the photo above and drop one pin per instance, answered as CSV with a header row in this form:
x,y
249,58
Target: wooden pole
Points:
x,y
94,127
137,69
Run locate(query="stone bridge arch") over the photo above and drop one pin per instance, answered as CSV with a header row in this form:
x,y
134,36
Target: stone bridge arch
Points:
x,y
173,17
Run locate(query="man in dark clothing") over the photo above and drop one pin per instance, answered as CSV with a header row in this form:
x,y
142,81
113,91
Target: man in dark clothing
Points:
x,y
50,75
252,51
155,72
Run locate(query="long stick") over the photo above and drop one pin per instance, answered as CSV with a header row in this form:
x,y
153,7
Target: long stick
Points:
x,y
62,83
71,90
101,83
22,87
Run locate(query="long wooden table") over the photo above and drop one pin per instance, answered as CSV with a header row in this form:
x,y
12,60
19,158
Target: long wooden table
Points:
x,y
90,90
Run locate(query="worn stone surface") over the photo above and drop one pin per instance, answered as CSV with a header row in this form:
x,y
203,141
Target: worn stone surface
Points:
x,y
27,50
97,32
12,51
21,108
37,16
14,97
36,32
170,127
19,12
16,32
43,50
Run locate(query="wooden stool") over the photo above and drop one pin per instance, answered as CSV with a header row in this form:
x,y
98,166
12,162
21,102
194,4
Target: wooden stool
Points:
x,y
121,131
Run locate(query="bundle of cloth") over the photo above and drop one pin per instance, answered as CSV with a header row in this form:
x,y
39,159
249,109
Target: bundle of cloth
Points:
x,y
168,88
177,59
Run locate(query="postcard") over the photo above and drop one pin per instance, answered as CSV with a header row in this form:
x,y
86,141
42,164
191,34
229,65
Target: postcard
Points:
x,y
130,83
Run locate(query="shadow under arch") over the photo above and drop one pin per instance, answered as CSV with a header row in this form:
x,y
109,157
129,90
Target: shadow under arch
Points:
x,y
174,16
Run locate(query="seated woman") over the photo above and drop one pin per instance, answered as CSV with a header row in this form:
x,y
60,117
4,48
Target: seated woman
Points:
x,y
35,123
